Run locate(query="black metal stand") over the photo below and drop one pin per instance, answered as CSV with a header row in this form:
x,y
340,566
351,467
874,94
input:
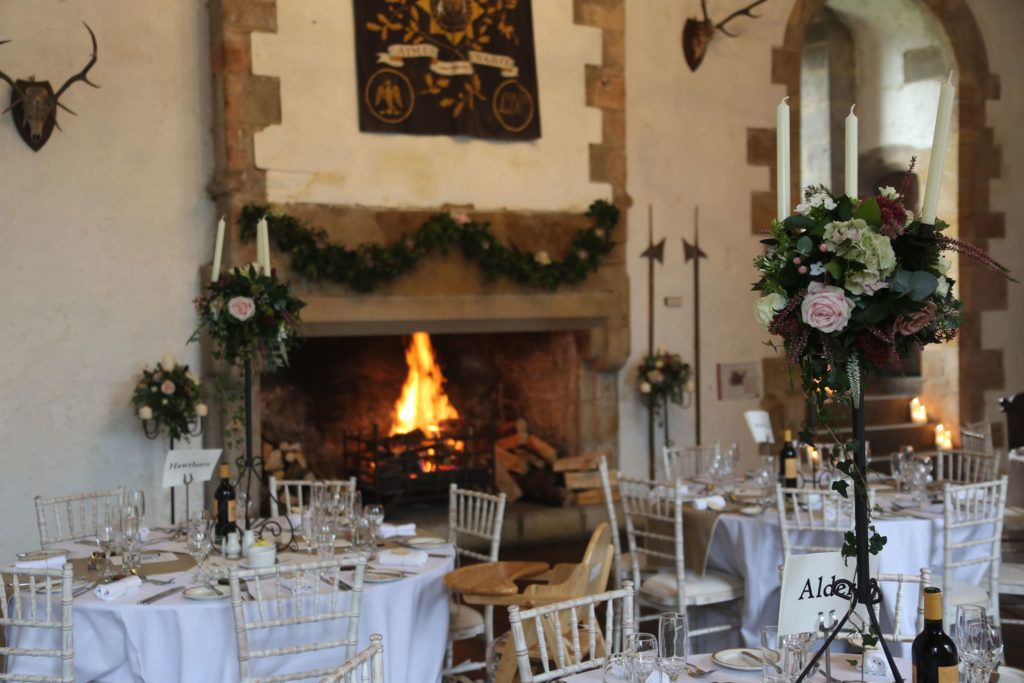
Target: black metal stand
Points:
x,y
249,463
864,590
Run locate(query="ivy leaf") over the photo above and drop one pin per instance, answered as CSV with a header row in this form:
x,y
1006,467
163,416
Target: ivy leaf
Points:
x,y
869,212
835,269
841,485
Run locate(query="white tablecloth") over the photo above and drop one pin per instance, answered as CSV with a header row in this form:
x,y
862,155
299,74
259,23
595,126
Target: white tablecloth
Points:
x,y
751,548
840,669
177,640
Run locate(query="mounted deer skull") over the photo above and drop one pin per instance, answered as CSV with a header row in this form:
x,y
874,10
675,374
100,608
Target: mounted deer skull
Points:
x,y
34,103
697,34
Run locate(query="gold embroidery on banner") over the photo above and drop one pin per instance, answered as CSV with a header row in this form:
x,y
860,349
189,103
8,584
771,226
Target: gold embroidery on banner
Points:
x,y
389,95
513,106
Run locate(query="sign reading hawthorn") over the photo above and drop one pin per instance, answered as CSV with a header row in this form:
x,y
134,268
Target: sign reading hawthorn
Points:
x,y
447,67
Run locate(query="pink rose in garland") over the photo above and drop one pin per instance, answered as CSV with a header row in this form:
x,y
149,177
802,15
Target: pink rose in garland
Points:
x,y
912,323
167,387
241,308
826,308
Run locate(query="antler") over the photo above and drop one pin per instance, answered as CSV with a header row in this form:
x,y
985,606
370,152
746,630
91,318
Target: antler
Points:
x,y
744,11
82,75
14,86
704,8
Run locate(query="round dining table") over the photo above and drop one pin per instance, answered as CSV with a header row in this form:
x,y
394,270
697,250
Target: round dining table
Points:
x,y
176,639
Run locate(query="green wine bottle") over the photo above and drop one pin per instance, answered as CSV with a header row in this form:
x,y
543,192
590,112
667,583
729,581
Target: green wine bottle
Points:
x,y
933,653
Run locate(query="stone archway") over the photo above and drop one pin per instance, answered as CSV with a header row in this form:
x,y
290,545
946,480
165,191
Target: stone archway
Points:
x,y
981,290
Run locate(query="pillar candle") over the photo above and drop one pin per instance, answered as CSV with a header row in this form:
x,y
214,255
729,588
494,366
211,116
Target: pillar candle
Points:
x,y
782,158
266,247
940,139
218,249
851,154
261,226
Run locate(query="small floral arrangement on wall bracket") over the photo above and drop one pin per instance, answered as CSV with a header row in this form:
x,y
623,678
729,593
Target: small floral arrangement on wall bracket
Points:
x,y
370,265
660,378
249,315
168,399
854,286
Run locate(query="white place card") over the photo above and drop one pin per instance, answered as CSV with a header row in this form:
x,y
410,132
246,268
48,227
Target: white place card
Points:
x,y
760,425
198,463
807,582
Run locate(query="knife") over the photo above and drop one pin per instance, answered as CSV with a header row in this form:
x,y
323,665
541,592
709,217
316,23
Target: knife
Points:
x,y
160,596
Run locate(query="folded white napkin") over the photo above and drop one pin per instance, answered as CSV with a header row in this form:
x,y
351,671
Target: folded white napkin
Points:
x,y
55,562
713,502
402,557
295,518
143,534
390,530
109,591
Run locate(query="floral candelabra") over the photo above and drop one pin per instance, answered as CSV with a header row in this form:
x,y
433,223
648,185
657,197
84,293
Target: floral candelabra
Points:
x,y
250,318
853,285
168,400
661,378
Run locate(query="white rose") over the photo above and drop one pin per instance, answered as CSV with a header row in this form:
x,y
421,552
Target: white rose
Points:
x,y
145,413
542,258
942,289
241,308
944,265
826,308
645,388
766,307
202,410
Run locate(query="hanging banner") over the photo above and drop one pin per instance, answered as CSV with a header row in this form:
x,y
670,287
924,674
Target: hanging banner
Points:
x,y
447,67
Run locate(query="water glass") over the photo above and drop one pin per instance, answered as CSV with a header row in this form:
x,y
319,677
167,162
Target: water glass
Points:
x,y
779,662
983,649
643,655
374,515
674,644
106,539
968,617
325,543
137,499
200,540
617,669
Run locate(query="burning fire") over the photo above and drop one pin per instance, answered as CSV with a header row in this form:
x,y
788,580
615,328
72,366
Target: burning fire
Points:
x,y
423,404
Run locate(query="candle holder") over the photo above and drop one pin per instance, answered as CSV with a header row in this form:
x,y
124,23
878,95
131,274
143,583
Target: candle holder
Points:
x,y
151,428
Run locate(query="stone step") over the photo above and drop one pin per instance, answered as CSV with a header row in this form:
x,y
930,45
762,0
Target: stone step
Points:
x,y
894,384
887,438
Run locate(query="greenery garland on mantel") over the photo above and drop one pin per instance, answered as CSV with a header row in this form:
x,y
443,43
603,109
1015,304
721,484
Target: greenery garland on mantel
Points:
x,y
370,265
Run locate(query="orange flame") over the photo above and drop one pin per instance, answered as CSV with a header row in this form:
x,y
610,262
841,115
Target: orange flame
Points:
x,y
423,404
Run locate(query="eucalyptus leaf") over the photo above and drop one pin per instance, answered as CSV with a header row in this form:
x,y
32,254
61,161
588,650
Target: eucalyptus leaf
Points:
x,y
922,285
804,245
901,282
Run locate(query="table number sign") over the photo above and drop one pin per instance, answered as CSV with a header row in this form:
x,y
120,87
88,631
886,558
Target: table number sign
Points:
x,y
193,465
760,425
808,588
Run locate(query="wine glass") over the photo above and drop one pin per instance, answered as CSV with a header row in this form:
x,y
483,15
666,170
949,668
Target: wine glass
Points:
x,y
674,643
982,649
374,515
137,499
967,615
617,669
241,508
106,539
199,544
643,655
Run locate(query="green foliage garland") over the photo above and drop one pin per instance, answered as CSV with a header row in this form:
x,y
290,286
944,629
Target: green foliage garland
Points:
x,y
171,396
368,266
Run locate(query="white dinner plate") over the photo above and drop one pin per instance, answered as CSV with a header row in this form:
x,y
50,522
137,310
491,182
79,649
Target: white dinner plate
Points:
x,y
1009,674
382,575
37,555
342,543
425,542
735,659
244,564
752,510
207,593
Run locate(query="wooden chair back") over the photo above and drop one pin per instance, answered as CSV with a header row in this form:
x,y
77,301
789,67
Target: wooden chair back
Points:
x,y
974,511
366,667
75,518
476,516
687,462
280,603
654,528
291,493
566,636
22,608
812,510
613,522
963,466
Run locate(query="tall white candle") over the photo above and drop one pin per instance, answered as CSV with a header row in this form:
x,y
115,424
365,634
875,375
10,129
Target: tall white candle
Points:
x,y
261,226
943,118
851,154
218,249
266,247
782,158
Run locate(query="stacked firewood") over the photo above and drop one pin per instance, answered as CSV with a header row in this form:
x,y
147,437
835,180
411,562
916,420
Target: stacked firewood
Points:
x,y
526,466
286,460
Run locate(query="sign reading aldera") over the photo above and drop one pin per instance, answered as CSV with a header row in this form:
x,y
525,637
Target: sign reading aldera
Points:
x,y
447,67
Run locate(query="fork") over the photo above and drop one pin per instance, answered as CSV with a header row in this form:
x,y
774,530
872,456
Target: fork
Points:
x,y
694,671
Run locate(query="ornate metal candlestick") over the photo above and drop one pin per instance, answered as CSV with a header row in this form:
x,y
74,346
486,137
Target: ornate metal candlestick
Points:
x,y
863,590
151,428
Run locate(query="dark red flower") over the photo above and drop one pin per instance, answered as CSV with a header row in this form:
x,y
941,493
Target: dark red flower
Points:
x,y
894,216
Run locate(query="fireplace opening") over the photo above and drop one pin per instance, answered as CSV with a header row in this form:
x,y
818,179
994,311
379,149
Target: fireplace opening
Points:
x,y
409,415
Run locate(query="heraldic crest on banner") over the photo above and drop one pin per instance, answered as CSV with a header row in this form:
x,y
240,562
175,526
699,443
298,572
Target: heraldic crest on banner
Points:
x,y
447,67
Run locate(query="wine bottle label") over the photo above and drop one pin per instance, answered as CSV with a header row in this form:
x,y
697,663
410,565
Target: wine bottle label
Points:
x,y
232,506
949,674
790,468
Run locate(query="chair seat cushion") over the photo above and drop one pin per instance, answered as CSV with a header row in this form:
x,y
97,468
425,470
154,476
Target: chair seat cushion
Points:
x,y
712,587
464,620
1011,578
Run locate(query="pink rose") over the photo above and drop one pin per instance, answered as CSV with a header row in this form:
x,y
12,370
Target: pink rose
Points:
x,y
825,307
460,218
912,323
241,308
167,388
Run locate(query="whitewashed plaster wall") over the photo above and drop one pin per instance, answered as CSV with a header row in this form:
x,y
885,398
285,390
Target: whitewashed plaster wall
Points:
x,y
313,54
102,234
